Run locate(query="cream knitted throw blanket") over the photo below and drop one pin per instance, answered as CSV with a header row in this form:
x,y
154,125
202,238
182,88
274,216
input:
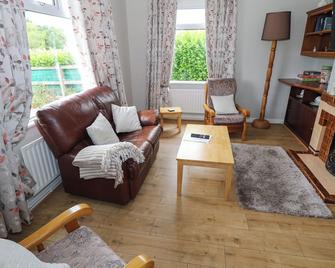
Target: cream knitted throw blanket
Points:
x,y
105,161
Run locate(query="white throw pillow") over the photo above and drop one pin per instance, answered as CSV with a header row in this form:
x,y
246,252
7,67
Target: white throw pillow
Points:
x,y
14,255
101,131
224,104
125,119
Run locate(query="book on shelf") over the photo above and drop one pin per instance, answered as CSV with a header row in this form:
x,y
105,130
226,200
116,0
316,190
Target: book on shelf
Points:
x,y
312,73
309,77
319,23
328,23
323,23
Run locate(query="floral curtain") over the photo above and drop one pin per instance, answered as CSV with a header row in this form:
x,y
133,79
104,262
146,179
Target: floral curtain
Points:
x,y
96,41
15,105
160,45
221,20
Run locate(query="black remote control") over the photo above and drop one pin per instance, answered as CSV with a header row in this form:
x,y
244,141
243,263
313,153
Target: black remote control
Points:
x,y
200,136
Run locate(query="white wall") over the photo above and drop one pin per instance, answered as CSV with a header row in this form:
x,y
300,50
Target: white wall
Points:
x,y
252,53
121,31
137,35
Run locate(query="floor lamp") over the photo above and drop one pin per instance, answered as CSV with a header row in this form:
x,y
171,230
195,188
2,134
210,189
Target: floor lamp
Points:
x,y
277,27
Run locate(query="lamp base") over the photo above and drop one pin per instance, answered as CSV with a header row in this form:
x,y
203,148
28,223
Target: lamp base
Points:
x,y
261,124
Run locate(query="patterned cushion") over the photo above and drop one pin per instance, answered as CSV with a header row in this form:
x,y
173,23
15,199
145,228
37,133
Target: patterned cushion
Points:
x,y
220,87
81,248
228,119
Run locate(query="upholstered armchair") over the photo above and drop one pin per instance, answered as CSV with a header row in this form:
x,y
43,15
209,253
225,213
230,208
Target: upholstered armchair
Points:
x,y
234,122
81,247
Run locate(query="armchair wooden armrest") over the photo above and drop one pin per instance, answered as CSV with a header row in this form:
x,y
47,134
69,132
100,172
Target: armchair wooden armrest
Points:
x,y
243,111
141,261
68,219
208,110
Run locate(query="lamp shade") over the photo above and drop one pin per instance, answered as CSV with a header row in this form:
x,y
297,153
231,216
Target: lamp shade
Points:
x,y
277,26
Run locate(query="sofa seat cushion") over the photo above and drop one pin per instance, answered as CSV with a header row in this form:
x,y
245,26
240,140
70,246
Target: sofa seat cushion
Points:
x,y
228,119
81,248
149,133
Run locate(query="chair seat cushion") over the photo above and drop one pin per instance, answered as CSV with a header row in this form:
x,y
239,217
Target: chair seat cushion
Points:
x,y
227,119
81,248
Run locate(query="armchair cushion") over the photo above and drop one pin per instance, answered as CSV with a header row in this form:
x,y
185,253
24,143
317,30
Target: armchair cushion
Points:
x,y
228,119
224,104
81,248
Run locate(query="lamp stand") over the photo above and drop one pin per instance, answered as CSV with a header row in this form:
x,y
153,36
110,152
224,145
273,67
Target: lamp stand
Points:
x,y
261,122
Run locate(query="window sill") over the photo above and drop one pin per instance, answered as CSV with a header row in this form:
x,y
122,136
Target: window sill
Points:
x,y
187,82
191,85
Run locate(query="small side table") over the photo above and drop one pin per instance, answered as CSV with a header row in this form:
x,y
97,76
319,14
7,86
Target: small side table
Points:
x,y
176,111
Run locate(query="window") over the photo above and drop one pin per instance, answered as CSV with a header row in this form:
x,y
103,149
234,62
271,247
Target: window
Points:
x,y
52,47
190,46
49,7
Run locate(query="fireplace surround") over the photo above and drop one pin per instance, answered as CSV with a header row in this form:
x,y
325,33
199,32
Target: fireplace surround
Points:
x,y
330,163
319,166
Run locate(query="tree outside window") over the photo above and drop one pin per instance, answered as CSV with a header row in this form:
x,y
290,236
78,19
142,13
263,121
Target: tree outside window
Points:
x,y
190,46
51,44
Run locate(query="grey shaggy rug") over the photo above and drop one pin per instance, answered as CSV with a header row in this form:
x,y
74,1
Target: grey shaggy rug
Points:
x,y
268,180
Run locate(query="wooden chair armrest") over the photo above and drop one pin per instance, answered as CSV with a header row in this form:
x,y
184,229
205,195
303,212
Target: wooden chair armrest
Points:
x,y
210,111
67,219
243,111
141,261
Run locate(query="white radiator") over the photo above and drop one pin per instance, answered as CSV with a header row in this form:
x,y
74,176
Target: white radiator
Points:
x,y
43,166
190,100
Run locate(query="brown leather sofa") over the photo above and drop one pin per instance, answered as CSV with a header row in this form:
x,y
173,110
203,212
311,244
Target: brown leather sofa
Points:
x,y
63,126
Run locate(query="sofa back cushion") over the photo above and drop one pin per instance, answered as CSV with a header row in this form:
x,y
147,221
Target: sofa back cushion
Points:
x,y
104,97
63,123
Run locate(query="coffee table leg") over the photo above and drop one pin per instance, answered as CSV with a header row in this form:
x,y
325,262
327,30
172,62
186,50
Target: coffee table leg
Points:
x,y
180,169
228,182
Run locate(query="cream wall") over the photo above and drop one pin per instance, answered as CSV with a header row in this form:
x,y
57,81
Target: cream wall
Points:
x,y
252,53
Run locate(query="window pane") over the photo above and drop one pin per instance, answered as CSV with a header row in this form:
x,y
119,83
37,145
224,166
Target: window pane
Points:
x,y
54,72
190,56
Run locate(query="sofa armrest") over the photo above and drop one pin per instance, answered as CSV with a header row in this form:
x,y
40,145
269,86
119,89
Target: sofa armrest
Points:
x,y
148,117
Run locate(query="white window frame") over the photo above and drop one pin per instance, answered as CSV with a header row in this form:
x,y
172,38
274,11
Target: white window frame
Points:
x,y
56,10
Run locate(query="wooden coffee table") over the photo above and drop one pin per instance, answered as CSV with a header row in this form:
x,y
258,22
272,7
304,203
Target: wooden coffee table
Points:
x,y
215,154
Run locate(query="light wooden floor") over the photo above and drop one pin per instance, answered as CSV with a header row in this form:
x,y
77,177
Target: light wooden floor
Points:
x,y
200,229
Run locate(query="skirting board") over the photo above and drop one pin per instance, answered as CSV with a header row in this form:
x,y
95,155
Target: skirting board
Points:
x,y
38,198
200,117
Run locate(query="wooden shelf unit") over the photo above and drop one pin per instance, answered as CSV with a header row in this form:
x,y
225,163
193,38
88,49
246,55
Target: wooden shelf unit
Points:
x,y
300,115
321,40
